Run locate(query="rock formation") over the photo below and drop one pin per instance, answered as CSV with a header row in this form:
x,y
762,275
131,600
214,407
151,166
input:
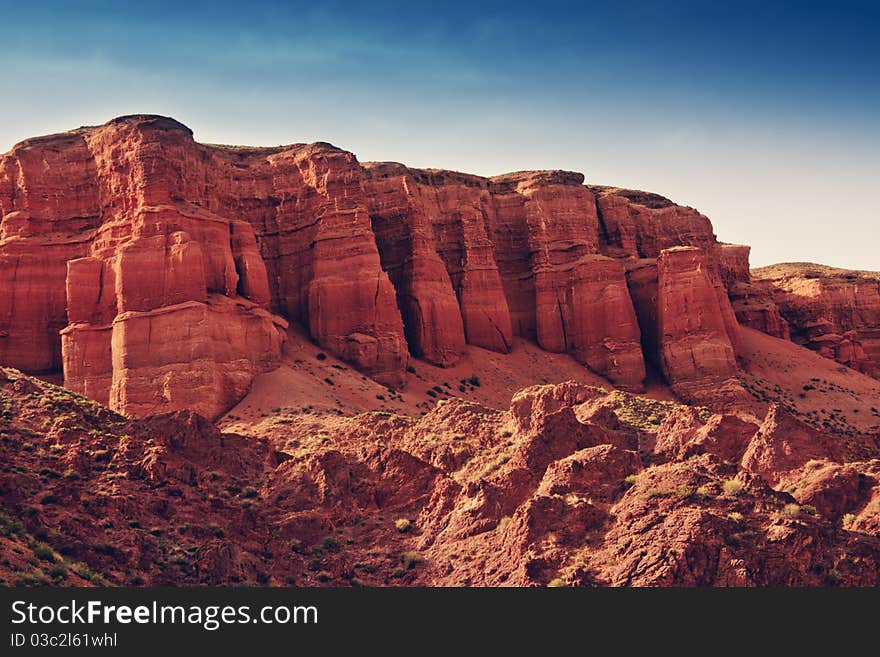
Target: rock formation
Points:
x,y
833,311
477,260
751,299
695,342
783,443
563,488
164,264
160,274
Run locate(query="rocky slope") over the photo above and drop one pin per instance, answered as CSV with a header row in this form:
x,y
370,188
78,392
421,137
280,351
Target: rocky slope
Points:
x,y
571,485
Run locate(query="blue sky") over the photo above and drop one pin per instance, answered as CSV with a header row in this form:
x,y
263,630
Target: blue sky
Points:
x,y
765,116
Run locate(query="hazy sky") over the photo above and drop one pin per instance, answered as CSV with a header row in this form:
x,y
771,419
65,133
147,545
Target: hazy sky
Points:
x,y
765,117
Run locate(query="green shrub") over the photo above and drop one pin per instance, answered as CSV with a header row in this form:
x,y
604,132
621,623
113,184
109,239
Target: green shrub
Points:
x,y
403,525
733,487
88,574
58,571
684,491
704,491
45,553
410,560
8,526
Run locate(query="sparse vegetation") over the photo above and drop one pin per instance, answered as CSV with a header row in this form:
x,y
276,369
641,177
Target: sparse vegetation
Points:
x,y
643,413
44,553
8,526
403,525
682,492
410,560
58,572
733,487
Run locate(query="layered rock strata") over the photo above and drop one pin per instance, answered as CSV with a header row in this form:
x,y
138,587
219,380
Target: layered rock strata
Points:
x,y
159,273
835,312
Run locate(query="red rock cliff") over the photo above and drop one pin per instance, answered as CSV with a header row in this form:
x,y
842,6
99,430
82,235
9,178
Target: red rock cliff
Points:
x,y
159,273
164,261
833,311
477,260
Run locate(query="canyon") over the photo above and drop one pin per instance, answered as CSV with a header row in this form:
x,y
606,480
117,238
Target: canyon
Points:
x,y
284,366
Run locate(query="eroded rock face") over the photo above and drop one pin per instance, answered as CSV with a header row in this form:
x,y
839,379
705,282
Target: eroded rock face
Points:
x,y
164,300
783,443
376,261
751,300
477,261
835,312
50,209
104,224
163,264
640,225
754,307
695,337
